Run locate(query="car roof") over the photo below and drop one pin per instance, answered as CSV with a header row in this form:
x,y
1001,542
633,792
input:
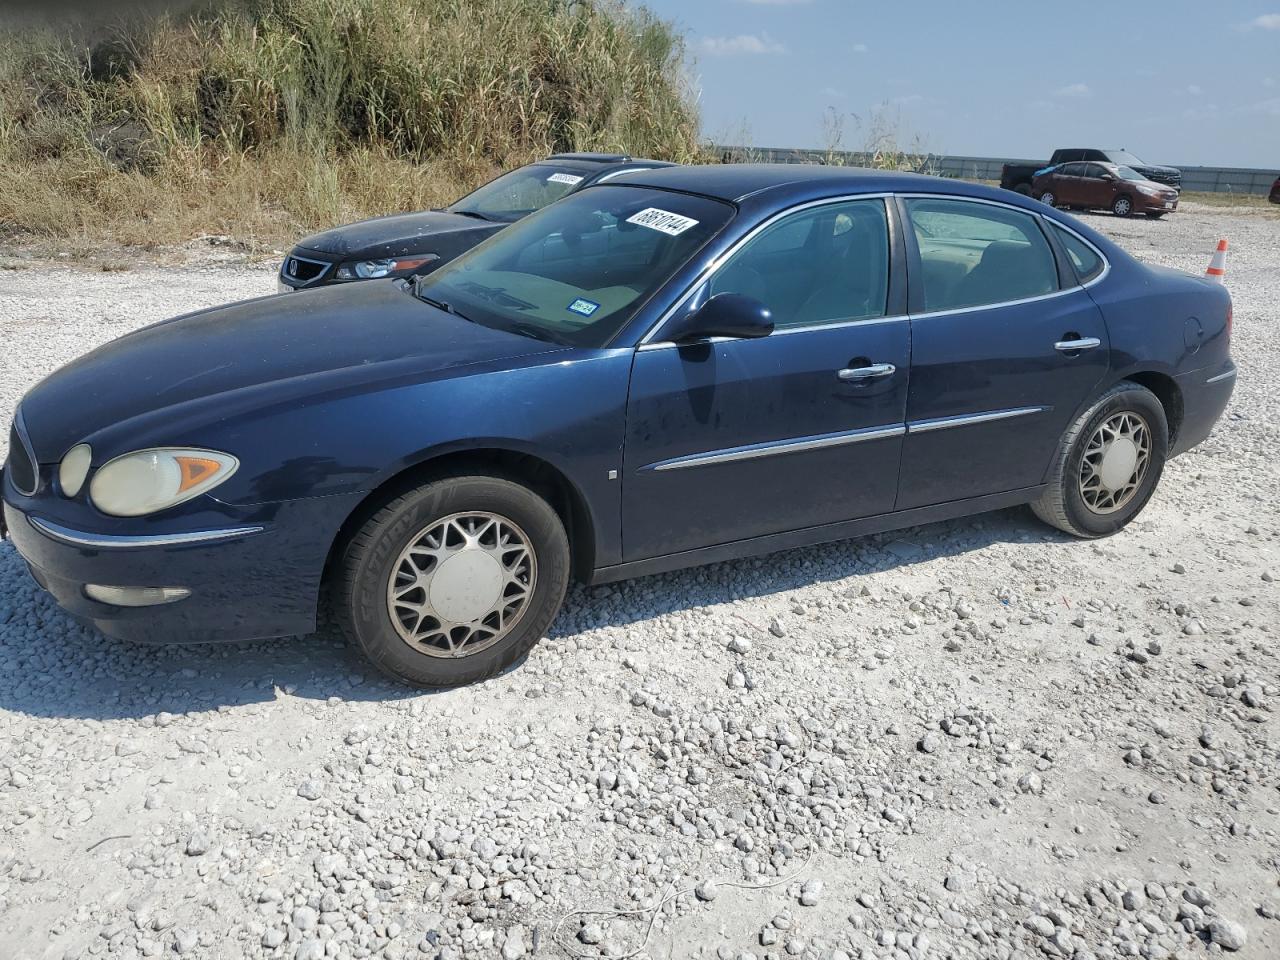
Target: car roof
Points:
x,y
737,181
607,158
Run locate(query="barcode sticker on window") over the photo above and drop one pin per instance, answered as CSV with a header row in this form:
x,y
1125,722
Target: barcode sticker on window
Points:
x,y
662,220
568,178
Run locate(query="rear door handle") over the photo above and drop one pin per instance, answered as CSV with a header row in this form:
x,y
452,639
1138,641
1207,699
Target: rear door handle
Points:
x,y
1071,346
873,372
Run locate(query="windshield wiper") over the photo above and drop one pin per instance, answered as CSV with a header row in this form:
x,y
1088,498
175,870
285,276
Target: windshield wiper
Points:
x,y
444,305
538,333
475,215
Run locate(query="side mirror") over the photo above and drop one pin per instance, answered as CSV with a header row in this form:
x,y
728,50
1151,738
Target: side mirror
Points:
x,y
725,315
1109,177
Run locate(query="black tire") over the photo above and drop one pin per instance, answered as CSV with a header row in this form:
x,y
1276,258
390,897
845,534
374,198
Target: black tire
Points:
x,y
1155,214
360,589
1047,197
1062,504
1122,206
1023,188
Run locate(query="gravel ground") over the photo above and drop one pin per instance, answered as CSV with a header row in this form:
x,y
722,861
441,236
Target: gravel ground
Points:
x,y
972,739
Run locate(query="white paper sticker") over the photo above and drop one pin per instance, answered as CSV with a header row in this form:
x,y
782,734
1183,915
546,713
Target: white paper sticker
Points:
x,y
568,178
663,220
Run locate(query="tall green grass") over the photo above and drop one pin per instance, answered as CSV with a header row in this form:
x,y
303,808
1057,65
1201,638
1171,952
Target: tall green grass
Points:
x,y
268,116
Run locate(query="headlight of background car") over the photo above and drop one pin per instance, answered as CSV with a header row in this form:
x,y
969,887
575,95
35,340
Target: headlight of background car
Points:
x,y
373,269
1150,191
147,481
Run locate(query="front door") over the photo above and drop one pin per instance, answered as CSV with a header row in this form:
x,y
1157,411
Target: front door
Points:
x,y
733,439
1099,186
1003,355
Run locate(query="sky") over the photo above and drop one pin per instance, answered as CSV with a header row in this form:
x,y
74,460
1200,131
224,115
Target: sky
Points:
x,y
1193,83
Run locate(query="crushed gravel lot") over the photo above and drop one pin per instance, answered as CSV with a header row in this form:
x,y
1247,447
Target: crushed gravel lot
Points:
x,y
972,739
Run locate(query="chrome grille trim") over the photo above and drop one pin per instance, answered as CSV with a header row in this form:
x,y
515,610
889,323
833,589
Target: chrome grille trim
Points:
x,y
288,269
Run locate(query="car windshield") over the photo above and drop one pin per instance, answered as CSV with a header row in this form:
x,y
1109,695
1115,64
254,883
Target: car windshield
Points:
x,y
1123,157
1128,173
520,192
578,270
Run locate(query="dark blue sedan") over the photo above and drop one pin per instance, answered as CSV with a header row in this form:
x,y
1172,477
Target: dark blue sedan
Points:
x,y
676,367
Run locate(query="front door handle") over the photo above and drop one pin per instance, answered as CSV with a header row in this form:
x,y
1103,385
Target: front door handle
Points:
x,y
873,372
1080,343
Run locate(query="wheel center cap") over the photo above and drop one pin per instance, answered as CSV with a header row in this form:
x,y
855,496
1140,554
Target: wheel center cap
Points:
x,y
466,586
1118,463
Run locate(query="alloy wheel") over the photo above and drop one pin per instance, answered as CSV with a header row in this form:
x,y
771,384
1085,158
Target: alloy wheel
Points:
x,y
1047,198
1115,462
461,584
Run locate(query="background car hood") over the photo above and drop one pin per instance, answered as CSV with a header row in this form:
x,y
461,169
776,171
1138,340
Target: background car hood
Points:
x,y
285,346
432,231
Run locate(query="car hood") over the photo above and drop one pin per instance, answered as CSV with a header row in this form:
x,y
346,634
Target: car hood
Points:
x,y
257,352
432,231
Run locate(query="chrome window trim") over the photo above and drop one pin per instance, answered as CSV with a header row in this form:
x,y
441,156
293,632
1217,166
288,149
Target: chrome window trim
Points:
x,y
316,279
771,448
618,173
20,427
718,262
647,341
1106,264
967,419
56,531
785,331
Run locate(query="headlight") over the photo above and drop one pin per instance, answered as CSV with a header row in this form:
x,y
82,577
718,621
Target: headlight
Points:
x,y
1150,191
74,468
373,269
151,480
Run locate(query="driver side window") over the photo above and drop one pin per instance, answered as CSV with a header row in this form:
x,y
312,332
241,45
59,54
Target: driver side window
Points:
x,y
828,264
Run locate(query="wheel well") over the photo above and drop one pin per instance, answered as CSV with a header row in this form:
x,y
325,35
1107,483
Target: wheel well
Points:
x,y
531,471
1169,395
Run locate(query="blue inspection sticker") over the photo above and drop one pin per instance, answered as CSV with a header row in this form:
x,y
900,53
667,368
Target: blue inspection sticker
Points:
x,y
584,307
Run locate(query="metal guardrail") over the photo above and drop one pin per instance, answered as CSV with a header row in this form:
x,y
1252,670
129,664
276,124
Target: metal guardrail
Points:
x,y
1242,180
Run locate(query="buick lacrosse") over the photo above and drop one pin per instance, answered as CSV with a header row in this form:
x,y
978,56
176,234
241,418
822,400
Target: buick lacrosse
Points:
x,y
675,367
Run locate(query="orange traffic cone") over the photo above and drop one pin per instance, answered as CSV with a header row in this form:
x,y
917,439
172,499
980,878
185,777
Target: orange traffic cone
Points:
x,y
1218,265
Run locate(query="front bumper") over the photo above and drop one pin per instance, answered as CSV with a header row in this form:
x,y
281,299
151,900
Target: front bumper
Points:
x,y
251,577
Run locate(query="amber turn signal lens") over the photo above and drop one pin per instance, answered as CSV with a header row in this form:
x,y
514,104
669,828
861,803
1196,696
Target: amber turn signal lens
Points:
x,y
195,470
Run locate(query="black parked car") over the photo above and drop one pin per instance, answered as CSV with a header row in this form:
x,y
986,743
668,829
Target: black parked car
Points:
x,y
1018,176
404,244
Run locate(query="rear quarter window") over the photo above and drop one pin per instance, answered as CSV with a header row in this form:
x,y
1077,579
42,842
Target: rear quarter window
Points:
x,y
1085,261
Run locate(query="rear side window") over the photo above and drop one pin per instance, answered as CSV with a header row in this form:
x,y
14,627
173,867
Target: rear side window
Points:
x,y
974,254
1084,260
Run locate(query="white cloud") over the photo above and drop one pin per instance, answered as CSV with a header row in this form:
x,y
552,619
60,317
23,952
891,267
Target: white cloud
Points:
x,y
1268,21
860,48
743,43
1073,90
1194,90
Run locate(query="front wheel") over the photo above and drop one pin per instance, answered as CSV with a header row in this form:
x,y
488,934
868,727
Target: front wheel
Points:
x,y
1122,206
1107,465
454,581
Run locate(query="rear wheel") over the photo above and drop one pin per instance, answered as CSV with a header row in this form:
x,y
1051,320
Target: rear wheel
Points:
x,y
1122,206
454,581
1107,465
1048,198
1023,188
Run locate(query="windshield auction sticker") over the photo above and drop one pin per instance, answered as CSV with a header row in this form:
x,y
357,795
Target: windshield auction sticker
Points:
x,y
568,178
584,306
664,221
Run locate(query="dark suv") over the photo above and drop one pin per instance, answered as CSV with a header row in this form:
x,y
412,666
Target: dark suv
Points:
x,y
405,244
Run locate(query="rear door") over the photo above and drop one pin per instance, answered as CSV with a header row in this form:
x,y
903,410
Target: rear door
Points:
x,y
733,439
1003,354
1067,183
